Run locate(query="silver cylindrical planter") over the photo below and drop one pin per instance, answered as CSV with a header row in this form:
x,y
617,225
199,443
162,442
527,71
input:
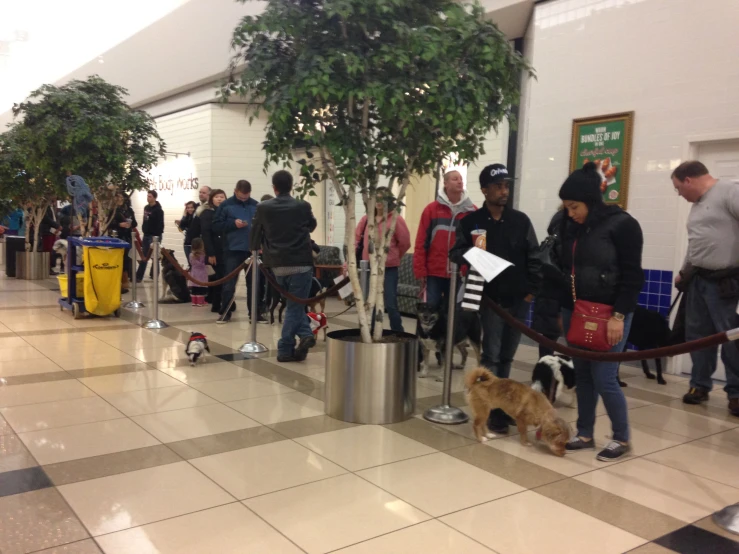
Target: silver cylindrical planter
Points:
x,y
370,383
32,265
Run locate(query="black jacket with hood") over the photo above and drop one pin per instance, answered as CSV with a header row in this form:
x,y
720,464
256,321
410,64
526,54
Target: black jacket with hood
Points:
x,y
153,224
512,238
608,257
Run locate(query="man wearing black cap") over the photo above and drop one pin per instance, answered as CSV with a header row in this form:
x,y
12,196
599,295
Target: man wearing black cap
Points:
x,y
509,235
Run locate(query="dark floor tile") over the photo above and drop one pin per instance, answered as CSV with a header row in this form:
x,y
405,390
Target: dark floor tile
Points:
x,y
95,467
108,370
504,465
694,540
37,378
429,434
224,442
23,480
310,426
284,376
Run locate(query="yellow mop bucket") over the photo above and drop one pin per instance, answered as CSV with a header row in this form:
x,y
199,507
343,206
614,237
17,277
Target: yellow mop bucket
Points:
x,y
103,272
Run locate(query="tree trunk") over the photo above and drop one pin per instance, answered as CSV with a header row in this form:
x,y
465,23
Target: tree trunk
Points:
x,y
349,199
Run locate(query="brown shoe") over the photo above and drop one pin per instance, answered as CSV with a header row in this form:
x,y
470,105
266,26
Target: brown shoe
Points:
x,y
695,396
734,406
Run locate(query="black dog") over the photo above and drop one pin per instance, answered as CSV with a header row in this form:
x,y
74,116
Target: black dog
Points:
x,y
649,329
432,323
196,347
173,281
554,376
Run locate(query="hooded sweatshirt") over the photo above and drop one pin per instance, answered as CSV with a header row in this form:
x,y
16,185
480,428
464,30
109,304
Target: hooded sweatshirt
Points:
x,y
437,233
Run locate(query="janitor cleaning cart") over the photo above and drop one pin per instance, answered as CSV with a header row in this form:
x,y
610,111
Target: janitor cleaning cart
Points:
x,y
102,267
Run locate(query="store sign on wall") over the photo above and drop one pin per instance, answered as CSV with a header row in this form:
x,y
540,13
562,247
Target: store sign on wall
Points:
x,y
606,141
174,177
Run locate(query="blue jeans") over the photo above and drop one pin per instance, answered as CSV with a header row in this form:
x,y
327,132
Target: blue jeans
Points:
x,y
296,322
594,379
707,313
391,299
145,245
499,340
437,291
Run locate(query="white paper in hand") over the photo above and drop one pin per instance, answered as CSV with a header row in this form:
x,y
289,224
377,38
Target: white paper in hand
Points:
x,y
487,264
346,290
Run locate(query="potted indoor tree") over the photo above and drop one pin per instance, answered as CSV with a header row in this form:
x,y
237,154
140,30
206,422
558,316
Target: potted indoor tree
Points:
x,y
86,128
29,190
371,92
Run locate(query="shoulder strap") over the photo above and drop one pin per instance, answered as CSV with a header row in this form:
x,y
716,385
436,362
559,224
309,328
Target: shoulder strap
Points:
x,y
574,294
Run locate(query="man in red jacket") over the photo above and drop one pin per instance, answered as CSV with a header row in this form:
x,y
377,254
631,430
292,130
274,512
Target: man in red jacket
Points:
x,y
436,236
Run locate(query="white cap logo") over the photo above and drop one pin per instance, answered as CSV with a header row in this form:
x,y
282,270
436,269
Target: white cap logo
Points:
x,y
498,171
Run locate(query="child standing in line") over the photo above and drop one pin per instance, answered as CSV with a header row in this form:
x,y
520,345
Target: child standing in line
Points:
x,y
198,271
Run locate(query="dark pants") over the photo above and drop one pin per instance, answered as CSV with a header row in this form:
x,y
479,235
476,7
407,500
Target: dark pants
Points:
x,y
499,345
707,313
296,322
233,260
215,293
390,295
437,291
594,379
187,248
145,245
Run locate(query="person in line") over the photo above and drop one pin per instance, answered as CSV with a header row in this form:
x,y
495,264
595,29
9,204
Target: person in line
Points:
x,y
547,318
213,242
123,224
198,271
400,242
14,223
49,231
152,226
511,236
233,220
602,245
711,275
184,225
282,229
436,235
194,231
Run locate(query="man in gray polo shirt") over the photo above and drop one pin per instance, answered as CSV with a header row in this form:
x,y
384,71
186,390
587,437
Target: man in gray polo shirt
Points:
x,y
712,269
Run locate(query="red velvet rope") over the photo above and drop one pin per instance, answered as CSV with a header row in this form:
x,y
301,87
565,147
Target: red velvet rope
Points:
x,y
664,352
304,301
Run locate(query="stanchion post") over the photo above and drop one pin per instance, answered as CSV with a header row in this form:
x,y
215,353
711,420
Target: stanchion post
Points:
x,y
253,346
364,279
446,413
134,303
728,519
155,323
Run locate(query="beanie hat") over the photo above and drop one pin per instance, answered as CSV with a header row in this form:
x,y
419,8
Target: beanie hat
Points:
x,y
583,185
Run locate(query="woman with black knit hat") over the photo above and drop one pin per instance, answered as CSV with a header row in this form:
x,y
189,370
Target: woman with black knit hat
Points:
x,y
602,247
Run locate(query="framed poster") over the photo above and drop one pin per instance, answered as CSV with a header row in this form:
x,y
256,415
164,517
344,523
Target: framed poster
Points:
x,y
606,141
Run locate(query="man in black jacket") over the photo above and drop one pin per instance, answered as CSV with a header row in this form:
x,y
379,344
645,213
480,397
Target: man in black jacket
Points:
x,y
281,229
510,236
153,226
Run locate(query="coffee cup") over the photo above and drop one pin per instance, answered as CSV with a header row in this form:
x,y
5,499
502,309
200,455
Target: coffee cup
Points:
x,y
479,238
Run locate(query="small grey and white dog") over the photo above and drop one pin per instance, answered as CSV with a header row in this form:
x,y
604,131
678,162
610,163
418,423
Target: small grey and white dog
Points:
x,y
196,348
60,247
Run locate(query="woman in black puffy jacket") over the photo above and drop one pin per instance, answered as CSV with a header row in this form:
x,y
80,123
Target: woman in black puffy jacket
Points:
x,y
213,246
605,244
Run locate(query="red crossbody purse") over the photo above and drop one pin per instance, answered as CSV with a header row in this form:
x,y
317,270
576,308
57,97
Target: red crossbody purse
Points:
x,y
589,324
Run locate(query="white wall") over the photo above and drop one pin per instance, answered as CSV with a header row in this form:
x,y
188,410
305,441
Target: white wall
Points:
x,y
223,148
186,131
673,62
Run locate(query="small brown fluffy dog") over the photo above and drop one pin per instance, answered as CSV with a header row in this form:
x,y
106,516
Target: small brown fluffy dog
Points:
x,y
486,392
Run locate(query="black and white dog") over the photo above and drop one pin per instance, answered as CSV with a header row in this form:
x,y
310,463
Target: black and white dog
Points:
x,y
196,347
432,324
554,377
173,283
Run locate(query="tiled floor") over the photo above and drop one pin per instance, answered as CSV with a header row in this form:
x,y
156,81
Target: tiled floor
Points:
x,y
110,443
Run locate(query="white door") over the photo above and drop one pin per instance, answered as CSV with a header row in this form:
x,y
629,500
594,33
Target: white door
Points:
x,y
722,160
